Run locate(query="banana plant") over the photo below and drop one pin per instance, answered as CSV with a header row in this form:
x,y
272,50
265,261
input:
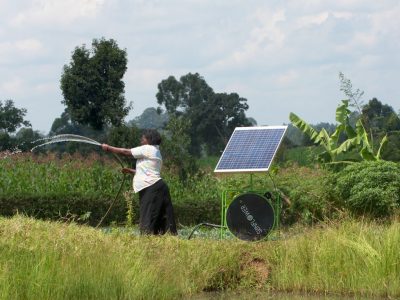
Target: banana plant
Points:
x,y
356,138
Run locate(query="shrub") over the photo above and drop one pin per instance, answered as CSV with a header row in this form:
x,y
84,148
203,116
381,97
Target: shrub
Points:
x,y
368,188
305,189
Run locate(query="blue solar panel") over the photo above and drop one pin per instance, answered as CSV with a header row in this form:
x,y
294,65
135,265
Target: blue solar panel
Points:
x,y
251,149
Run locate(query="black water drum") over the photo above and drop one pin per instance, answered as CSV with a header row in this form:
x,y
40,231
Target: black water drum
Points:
x,y
250,217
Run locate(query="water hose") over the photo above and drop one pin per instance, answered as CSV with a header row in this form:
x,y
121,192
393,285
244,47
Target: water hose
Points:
x,y
118,193
82,139
203,224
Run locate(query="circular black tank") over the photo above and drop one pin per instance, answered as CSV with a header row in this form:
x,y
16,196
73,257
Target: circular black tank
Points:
x,y
250,217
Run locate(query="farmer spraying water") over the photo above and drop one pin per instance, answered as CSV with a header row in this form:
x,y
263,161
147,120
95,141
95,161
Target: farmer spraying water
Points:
x,y
156,211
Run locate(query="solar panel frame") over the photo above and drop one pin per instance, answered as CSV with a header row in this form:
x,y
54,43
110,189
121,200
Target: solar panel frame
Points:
x,y
248,166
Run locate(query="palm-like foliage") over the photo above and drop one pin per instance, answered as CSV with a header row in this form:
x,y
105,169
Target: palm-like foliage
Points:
x,y
357,138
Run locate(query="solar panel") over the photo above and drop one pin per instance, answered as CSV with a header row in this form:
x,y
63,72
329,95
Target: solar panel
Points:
x,y
250,149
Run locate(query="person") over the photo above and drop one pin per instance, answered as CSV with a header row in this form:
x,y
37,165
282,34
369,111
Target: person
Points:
x,y
156,210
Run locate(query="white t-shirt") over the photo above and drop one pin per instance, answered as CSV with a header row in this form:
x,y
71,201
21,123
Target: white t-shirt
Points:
x,y
148,166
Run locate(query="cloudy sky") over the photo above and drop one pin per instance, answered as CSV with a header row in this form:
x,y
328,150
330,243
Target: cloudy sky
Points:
x,y
281,56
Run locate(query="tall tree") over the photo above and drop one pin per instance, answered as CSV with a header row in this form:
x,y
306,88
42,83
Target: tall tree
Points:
x,y
150,118
381,117
92,84
11,117
222,114
24,138
382,120
212,116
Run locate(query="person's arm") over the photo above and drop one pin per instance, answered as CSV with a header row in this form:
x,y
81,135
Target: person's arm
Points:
x,y
116,150
128,171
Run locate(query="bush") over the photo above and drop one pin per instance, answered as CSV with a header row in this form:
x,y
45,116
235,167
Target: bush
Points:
x,y
305,189
368,188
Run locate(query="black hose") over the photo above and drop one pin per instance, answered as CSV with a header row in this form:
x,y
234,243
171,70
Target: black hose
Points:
x,y
113,202
117,195
203,224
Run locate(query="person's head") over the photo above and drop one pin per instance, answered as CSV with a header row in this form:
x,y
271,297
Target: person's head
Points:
x,y
150,137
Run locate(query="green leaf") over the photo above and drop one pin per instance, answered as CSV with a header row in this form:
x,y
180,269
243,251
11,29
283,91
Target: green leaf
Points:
x,y
351,133
325,139
366,154
346,146
339,129
304,127
342,112
382,143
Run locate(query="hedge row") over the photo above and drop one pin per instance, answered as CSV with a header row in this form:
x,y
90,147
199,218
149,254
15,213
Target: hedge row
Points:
x,y
91,210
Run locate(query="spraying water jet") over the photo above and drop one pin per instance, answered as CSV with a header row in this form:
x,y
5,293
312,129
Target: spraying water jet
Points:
x,y
82,139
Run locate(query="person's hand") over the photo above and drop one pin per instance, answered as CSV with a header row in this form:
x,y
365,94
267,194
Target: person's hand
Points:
x,y
128,171
105,147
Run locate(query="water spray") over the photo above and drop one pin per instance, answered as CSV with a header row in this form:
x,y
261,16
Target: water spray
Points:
x,y
82,139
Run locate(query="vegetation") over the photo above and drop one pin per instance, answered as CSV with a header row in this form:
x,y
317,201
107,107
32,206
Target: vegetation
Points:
x,y
92,84
49,260
212,116
150,118
48,187
356,138
368,188
11,118
324,247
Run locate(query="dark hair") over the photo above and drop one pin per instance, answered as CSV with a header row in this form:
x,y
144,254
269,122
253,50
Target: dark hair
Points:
x,y
152,136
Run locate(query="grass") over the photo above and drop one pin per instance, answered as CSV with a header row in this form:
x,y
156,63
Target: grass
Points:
x,y
52,260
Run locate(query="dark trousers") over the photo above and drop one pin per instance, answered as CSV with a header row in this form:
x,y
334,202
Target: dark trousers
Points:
x,y
156,211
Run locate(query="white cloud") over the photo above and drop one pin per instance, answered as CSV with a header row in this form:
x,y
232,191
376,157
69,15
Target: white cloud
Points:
x,y
46,88
282,54
17,51
369,61
146,78
346,15
57,11
263,39
287,78
312,20
387,21
12,87
29,45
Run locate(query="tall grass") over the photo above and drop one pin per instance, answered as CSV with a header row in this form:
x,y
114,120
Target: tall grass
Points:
x,y
51,260
353,258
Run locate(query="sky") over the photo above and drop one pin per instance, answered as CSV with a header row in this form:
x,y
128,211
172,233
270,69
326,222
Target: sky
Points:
x,y
282,56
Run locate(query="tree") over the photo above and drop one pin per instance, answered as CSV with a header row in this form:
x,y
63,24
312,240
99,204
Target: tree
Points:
x,y
92,84
222,114
175,148
64,125
11,117
212,116
382,120
25,137
150,118
381,117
